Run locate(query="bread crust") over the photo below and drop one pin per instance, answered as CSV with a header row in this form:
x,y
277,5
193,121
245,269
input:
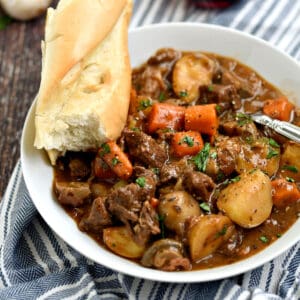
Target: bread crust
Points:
x,y
85,86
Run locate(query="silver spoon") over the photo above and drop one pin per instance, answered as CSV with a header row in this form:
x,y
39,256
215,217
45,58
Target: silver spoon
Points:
x,y
286,129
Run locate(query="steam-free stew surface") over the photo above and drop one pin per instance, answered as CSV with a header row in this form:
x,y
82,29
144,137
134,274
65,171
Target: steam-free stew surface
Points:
x,y
192,183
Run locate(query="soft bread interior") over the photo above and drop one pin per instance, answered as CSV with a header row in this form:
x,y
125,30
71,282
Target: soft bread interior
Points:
x,y
89,103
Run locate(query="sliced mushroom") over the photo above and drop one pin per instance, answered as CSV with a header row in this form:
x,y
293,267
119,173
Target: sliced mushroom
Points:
x,y
190,72
167,255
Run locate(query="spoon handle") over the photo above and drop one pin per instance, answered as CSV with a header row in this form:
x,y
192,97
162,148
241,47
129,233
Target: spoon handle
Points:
x,y
287,129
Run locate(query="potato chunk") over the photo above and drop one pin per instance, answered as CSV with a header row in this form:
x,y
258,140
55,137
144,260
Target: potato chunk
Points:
x,y
176,207
190,72
207,233
119,241
247,202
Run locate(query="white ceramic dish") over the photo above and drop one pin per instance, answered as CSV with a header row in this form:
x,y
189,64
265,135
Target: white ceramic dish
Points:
x,y
272,64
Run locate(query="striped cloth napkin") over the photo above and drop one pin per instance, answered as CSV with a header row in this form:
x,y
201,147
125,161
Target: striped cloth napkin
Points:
x,y
36,264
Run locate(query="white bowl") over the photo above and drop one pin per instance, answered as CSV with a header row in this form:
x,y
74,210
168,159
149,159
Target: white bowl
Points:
x,y
273,65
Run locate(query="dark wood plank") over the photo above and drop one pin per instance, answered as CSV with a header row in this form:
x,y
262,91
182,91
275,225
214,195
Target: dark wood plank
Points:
x,y
20,66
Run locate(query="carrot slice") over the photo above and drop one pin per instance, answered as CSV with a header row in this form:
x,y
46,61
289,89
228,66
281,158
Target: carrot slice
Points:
x,y
102,169
279,108
284,193
187,143
154,202
118,161
165,115
202,118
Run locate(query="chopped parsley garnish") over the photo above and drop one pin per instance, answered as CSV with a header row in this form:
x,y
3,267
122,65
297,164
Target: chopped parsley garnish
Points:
x,y
115,161
273,143
222,231
187,140
161,96
272,153
220,176
144,104
249,139
183,94
104,149
278,235
141,181
200,160
156,171
264,239
135,129
210,88
205,206
235,179
218,108
4,22
290,168
213,155
243,119
289,179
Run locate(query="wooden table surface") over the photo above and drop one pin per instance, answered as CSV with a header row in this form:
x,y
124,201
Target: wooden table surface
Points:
x,y
20,67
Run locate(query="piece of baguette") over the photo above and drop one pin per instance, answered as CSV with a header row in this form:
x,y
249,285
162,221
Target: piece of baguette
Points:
x,y
85,84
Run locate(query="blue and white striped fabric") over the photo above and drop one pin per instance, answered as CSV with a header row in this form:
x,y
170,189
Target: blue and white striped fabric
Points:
x,y
37,264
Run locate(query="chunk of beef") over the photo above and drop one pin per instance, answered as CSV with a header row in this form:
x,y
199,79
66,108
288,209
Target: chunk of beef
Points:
x,y
126,202
72,193
97,218
79,169
227,151
223,94
198,183
150,81
163,56
172,171
145,149
148,190
147,224
233,128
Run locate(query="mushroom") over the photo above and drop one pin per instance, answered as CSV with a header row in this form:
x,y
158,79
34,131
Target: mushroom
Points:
x,y
166,255
24,9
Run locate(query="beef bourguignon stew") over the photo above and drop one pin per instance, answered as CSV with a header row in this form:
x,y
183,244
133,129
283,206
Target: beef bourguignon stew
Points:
x,y
192,183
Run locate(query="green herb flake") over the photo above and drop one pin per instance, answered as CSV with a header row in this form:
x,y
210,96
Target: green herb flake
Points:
x,y
290,168
264,239
4,22
136,129
289,179
161,97
243,119
200,160
205,206
115,161
156,171
104,149
213,155
235,179
183,94
141,181
272,153
218,108
187,140
249,139
222,231
273,143
145,103
278,235
210,88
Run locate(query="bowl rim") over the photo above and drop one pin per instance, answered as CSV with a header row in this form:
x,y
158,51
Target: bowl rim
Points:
x,y
123,265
